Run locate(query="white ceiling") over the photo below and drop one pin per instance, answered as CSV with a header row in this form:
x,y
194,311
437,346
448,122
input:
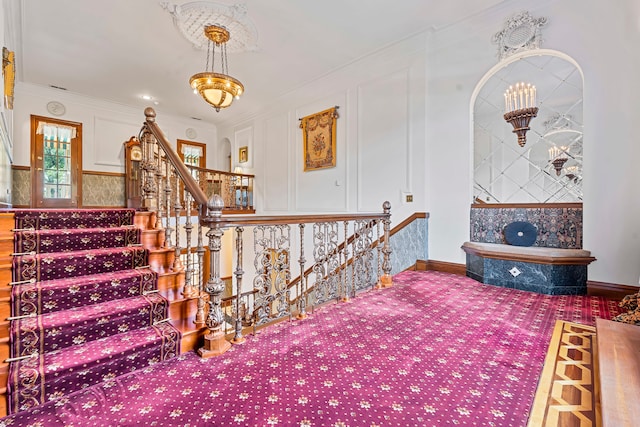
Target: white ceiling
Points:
x,y
120,49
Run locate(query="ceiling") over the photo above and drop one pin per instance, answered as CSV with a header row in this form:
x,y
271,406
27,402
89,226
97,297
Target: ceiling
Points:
x,y
119,50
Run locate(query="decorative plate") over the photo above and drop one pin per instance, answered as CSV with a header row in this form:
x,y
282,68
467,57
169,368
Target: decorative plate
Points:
x,y
56,108
191,133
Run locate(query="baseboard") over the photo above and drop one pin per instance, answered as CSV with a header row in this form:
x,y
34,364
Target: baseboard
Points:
x,y
445,267
610,290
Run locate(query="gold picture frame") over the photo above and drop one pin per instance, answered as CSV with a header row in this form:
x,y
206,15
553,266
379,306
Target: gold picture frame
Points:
x,y
9,74
319,139
243,154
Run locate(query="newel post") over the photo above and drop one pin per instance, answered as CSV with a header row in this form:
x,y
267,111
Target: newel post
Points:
x,y
386,279
214,340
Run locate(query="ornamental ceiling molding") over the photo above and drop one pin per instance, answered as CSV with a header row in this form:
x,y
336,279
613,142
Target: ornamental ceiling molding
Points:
x,y
521,32
191,18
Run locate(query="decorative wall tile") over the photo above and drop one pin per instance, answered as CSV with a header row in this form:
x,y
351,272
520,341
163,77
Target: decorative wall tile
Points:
x,y
21,187
102,190
557,227
409,245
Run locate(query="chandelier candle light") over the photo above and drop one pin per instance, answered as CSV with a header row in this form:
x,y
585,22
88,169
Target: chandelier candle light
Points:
x,y
218,89
557,157
520,108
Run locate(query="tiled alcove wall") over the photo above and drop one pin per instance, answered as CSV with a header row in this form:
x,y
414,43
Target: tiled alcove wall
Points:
x,y
559,224
98,189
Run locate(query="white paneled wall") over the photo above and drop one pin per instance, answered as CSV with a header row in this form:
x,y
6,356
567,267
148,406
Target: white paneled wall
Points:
x,y
381,108
105,126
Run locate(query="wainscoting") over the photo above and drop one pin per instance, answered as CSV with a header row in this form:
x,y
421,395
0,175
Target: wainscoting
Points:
x,y
559,224
99,189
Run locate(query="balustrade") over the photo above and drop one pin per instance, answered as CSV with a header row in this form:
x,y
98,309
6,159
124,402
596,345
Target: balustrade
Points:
x,y
348,252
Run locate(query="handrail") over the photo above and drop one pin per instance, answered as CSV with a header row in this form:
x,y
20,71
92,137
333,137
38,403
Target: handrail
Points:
x,y
251,220
213,171
342,265
189,182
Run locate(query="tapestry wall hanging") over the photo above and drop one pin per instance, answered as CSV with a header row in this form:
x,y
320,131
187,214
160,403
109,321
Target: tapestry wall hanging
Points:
x,y
319,139
9,74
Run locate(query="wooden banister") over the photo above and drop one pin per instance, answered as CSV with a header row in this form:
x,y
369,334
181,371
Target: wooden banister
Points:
x,y
190,183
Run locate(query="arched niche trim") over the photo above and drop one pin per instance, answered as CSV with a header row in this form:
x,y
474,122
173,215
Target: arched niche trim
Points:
x,y
504,172
224,155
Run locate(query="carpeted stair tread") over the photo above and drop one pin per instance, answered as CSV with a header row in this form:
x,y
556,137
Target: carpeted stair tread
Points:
x,y
84,304
55,374
77,326
59,265
72,218
63,240
62,294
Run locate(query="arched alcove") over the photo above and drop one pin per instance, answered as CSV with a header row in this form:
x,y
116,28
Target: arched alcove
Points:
x,y
223,162
505,172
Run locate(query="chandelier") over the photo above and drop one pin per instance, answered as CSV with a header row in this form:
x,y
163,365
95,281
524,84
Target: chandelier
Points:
x,y
217,89
520,108
558,157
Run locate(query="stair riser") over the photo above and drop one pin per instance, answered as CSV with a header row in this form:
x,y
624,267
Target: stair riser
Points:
x,y
61,219
50,241
39,298
152,239
161,260
45,333
45,267
171,281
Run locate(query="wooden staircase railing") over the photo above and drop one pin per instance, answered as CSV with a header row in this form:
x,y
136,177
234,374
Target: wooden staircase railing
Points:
x,y
340,265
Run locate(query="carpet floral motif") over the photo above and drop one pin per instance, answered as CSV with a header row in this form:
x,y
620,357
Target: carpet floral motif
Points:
x,y
85,307
433,350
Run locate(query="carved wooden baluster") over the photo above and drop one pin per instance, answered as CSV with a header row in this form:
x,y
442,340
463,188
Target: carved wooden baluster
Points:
x,y
177,210
345,279
148,168
386,279
158,184
200,286
214,341
379,257
167,198
189,290
238,338
302,295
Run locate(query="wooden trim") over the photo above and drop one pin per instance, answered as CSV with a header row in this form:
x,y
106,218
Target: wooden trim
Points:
x,y
37,161
525,205
202,160
610,290
443,266
536,259
84,172
116,174
103,207
420,265
447,267
407,221
183,172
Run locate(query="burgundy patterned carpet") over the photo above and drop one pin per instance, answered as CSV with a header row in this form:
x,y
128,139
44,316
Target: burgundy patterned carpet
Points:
x,y
434,350
83,306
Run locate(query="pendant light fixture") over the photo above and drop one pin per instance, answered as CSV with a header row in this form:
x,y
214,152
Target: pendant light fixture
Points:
x,y
216,88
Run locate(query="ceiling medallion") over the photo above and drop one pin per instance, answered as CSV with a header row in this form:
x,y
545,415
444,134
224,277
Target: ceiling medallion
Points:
x,y
191,19
521,32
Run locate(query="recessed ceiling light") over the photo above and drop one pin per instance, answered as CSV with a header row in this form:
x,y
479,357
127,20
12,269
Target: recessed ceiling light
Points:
x,y
146,97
